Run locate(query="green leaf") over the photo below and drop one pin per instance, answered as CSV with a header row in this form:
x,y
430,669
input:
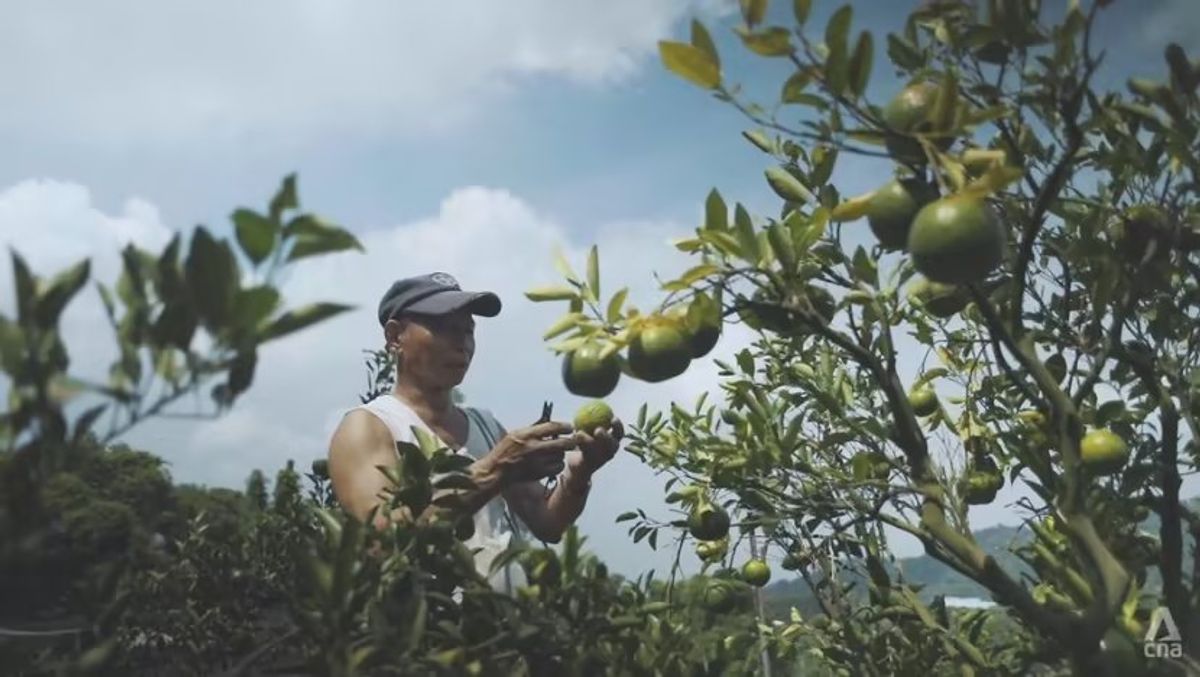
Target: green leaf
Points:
x,y
753,11
745,360
716,214
837,31
313,236
212,277
787,186
690,63
744,229
864,267
252,306
551,293
12,346
256,234
903,53
175,326
861,63
702,40
615,305
837,70
801,9
759,140
59,292
26,285
793,89
782,244
626,516
774,41
298,319
593,273
284,199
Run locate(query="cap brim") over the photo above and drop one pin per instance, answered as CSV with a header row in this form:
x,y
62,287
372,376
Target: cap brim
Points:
x,y
485,303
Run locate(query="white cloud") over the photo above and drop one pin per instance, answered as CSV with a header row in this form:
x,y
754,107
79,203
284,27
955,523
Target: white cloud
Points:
x,y
128,72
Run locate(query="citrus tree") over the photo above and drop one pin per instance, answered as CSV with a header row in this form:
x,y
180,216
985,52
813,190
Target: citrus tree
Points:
x,y
1014,304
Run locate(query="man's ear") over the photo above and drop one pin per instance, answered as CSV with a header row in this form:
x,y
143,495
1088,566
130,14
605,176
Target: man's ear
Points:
x,y
393,334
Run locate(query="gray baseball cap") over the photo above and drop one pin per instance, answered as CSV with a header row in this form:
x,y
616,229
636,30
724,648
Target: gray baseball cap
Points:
x,y
434,294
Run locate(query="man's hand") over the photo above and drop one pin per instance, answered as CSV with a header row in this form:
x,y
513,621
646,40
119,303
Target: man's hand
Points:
x,y
531,453
597,447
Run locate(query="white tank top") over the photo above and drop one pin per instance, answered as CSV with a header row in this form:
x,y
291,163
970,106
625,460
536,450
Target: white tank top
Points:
x,y
494,524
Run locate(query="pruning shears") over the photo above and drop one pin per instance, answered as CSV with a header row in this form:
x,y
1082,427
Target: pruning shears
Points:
x,y
547,411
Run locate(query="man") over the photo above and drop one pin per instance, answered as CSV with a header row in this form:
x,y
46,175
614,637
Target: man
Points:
x,y
429,326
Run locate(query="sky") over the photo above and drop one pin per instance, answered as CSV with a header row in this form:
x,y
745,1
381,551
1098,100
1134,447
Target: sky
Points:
x,y
471,137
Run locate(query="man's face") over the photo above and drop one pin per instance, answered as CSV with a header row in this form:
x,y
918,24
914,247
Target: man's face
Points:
x,y
437,348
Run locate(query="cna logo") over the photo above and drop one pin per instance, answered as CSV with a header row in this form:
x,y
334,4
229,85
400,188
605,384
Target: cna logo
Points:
x,y
1163,639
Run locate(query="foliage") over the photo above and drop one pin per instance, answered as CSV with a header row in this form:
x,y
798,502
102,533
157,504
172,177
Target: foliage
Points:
x,y
1076,210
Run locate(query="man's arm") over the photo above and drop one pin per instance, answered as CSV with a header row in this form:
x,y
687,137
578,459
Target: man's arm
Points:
x,y
548,517
362,443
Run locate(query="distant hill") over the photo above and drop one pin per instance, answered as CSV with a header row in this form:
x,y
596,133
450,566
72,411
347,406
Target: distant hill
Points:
x,y
939,579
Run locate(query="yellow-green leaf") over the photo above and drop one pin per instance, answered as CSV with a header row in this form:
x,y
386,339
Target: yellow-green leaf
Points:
x,y
563,267
615,305
780,239
787,186
565,323
698,273
773,41
593,273
793,89
716,214
753,11
702,40
801,8
690,63
551,293
759,140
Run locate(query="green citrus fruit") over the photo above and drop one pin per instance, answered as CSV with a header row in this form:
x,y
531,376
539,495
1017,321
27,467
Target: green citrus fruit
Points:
x,y
1104,451
891,210
710,550
320,468
937,299
718,596
660,351
703,323
870,465
908,113
793,561
593,415
981,487
586,375
956,240
923,400
756,572
1056,364
708,523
